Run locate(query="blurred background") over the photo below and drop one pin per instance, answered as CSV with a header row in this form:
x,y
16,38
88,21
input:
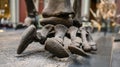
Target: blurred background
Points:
x,y
14,12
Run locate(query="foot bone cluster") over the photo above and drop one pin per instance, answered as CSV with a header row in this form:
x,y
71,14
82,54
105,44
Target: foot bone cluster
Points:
x,y
53,37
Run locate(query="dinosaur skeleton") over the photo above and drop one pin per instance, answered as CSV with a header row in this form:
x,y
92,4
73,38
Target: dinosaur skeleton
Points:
x,y
59,21
106,11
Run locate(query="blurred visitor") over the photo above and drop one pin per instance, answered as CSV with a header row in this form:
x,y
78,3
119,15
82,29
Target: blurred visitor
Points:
x,y
5,23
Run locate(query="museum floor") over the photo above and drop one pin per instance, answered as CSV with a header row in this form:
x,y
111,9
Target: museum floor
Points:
x,y
108,54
